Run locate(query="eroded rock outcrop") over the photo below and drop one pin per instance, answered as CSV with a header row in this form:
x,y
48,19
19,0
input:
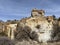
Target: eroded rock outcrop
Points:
x,y
33,30
36,12
37,27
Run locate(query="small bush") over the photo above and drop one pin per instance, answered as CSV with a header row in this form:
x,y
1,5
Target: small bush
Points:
x,y
6,41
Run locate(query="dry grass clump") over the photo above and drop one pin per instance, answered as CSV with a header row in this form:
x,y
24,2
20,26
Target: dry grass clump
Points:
x,y
25,42
6,41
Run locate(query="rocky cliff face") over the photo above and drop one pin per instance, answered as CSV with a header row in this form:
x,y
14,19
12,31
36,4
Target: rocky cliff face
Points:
x,y
38,27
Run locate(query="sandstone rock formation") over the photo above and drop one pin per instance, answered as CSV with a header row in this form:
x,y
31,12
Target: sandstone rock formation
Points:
x,y
37,27
34,29
10,30
36,12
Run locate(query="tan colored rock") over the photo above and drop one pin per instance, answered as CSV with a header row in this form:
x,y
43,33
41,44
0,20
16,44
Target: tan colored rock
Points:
x,y
50,18
39,26
36,12
10,29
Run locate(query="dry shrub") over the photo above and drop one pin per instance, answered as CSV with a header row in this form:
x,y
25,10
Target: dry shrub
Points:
x,y
24,42
6,41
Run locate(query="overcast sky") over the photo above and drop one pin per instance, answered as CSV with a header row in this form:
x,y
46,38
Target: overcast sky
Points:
x,y
17,9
